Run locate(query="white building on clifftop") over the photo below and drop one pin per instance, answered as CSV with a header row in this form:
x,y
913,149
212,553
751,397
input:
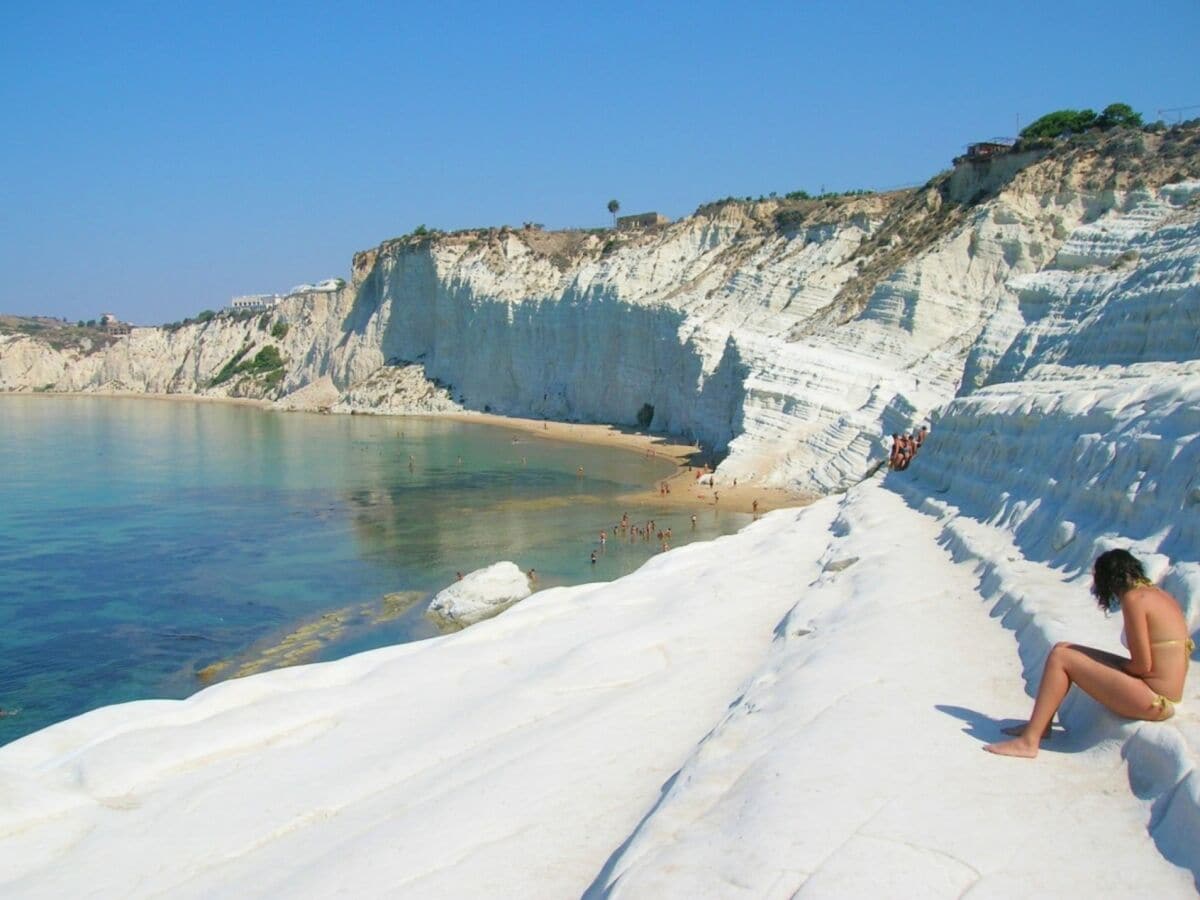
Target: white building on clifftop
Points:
x,y
254,301
266,301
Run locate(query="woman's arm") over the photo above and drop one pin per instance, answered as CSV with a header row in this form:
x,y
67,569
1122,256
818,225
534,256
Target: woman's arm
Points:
x,y
1137,634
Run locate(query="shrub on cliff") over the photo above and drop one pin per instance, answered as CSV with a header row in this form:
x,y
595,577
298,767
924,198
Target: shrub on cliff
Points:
x,y
267,361
230,368
279,330
790,219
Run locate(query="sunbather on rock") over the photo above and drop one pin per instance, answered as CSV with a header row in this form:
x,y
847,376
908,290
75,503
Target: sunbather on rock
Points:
x,y
1146,685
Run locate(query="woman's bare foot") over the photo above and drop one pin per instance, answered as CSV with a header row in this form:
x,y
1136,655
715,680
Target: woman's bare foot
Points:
x,y
1019,747
1019,730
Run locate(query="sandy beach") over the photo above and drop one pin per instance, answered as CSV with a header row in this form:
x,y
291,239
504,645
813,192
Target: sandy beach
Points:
x,y
685,489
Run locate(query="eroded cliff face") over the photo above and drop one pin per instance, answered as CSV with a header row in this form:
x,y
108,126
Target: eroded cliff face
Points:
x,y
792,334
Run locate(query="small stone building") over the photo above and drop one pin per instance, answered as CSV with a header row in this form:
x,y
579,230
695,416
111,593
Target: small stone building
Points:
x,y
112,325
988,149
641,221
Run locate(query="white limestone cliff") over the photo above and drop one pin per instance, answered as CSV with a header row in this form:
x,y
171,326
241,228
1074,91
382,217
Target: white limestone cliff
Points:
x,y
792,335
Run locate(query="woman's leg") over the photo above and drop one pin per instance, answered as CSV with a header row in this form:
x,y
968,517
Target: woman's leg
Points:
x,y
1098,674
1111,660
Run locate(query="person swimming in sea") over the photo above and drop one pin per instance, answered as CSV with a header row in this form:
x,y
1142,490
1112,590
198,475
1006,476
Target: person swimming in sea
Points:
x,y
1145,686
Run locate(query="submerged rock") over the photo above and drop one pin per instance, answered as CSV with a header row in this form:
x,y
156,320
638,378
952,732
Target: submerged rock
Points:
x,y
480,595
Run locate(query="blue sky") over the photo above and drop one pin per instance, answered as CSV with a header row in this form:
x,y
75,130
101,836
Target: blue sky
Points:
x,y
158,158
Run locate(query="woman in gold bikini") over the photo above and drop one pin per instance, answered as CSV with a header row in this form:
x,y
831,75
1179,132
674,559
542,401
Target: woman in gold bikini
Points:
x,y
1146,686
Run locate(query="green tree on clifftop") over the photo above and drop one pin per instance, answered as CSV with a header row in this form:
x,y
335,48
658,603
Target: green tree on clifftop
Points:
x,y
1119,115
1060,122
614,207
1074,121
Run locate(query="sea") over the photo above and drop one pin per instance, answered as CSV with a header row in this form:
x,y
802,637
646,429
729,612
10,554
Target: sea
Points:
x,y
150,547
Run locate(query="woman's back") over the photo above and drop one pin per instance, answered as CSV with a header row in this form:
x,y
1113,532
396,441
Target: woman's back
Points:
x,y
1166,633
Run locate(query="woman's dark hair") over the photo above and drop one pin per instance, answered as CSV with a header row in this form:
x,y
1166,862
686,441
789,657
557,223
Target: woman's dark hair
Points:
x,y
1115,572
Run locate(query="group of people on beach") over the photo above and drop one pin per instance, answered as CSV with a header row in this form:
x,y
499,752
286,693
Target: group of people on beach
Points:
x,y
905,447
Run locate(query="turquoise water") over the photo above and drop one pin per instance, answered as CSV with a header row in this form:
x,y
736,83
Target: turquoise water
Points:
x,y
143,541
